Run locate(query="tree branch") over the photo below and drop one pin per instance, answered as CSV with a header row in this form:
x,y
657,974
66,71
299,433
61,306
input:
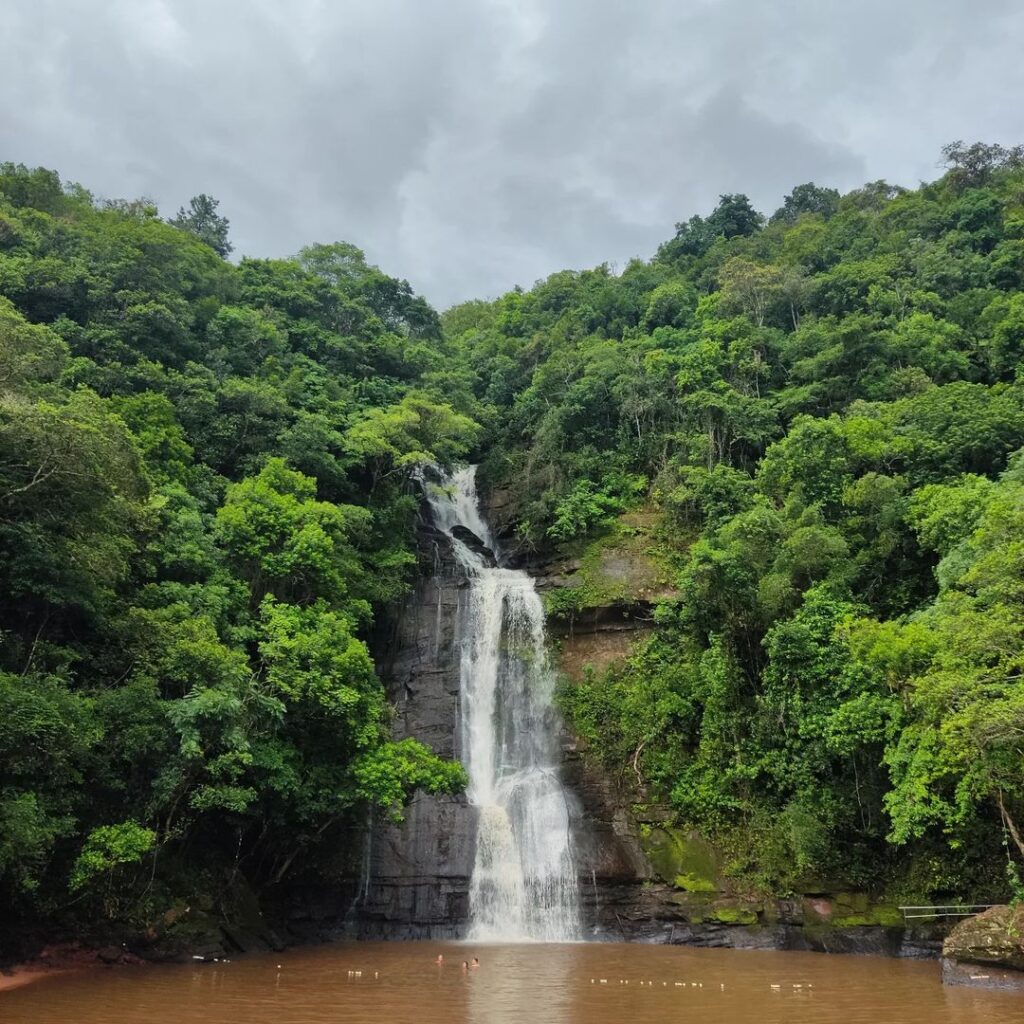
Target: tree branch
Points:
x,y
1008,822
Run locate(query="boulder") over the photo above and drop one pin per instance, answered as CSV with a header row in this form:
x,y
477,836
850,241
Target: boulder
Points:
x,y
992,939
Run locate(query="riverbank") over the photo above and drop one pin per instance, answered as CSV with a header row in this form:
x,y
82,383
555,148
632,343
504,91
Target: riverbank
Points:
x,y
63,958
16,977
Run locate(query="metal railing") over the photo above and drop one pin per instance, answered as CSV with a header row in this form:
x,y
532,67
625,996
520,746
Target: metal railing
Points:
x,y
945,910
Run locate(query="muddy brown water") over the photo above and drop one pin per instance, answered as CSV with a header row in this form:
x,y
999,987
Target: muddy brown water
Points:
x,y
519,984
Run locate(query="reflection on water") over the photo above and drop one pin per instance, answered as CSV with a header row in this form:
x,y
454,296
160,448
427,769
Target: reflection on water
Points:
x,y
516,984
526,982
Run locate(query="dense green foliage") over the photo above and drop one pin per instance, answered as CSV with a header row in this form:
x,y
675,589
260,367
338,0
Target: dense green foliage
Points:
x,y
204,497
205,501
823,408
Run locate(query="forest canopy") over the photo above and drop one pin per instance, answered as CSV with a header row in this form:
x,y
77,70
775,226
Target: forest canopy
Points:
x,y
204,499
206,502
823,409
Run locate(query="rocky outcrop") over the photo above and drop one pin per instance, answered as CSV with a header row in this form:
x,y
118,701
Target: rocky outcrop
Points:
x,y
986,950
684,899
601,596
475,544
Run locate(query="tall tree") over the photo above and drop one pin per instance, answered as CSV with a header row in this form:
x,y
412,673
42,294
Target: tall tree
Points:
x,y
203,221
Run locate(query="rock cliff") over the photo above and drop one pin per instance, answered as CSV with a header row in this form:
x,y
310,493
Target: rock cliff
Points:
x,y
417,875
419,871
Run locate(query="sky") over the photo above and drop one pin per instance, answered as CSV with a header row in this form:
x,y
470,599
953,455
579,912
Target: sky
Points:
x,y
473,145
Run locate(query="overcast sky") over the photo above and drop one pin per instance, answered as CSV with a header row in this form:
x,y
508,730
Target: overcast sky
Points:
x,y
471,145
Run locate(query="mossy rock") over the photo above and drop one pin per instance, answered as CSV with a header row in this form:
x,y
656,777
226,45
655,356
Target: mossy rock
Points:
x,y
850,910
697,907
879,915
817,909
993,938
184,931
620,567
849,904
734,914
694,883
889,915
683,860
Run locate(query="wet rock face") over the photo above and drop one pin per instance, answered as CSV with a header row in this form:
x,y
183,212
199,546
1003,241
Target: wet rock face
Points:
x,y
420,872
605,844
417,885
421,665
475,544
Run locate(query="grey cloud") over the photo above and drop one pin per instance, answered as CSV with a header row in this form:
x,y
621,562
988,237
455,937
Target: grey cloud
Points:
x,y
470,145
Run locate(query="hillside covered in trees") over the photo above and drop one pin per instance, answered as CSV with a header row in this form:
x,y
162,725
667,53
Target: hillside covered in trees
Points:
x,y
203,497
206,498
824,408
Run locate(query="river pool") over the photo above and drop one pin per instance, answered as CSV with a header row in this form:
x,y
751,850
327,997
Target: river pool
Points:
x,y
393,983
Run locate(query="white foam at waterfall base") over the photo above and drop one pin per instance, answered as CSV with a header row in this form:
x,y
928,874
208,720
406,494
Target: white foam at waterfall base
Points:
x,y
524,880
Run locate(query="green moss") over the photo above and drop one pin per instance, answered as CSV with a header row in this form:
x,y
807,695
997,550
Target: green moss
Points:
x,y
683,860
695,905
693,883
622,565
734,915
882,915
851,904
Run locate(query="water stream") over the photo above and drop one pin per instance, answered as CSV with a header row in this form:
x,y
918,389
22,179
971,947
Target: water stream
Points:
x,y
524,883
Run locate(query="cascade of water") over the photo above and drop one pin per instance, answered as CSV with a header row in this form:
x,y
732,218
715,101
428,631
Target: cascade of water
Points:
x,y
524,880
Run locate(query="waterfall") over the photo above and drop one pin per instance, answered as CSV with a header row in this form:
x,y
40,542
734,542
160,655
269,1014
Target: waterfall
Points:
x,y
524,882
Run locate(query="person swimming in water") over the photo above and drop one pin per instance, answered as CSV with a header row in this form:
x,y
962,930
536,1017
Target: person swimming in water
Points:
x,y
476,962
440,960
465,966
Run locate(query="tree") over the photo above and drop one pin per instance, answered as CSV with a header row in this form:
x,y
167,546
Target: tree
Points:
x,y
185,688
29,353
46,736
973,164
201,219
733,217
807,198
958,759
71,492
109,846
750,287
415,432
285,542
